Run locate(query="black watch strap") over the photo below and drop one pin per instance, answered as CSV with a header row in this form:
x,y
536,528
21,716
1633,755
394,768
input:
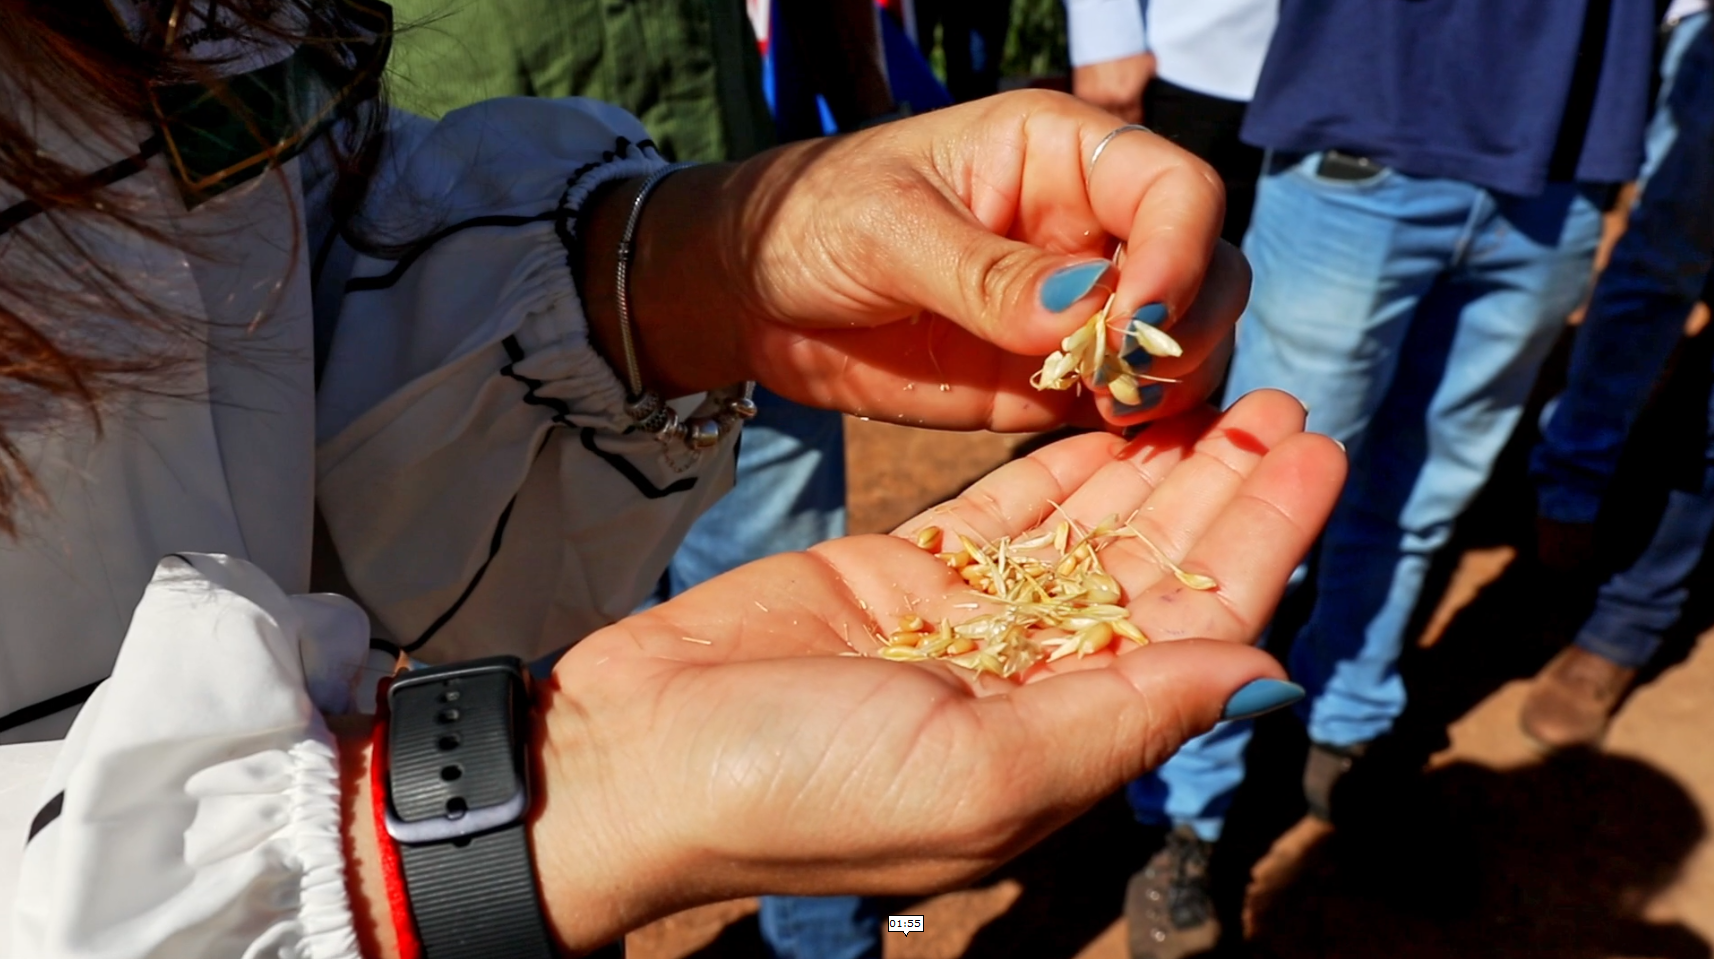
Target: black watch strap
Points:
x,y
458,798
476,901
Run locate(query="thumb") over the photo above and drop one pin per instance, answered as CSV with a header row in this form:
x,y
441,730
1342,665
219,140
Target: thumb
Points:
x,y
1019,297
1079,735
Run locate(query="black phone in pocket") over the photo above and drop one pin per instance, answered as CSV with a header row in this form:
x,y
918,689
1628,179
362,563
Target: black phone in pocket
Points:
x,y
1336,165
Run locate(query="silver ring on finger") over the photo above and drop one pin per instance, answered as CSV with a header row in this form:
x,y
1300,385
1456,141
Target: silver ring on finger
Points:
x,y
1095,157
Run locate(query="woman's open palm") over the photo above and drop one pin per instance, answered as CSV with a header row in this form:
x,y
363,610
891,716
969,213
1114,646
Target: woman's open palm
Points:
x,y
797,764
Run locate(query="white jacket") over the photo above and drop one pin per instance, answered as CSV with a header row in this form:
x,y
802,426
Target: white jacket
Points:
x,y
466,448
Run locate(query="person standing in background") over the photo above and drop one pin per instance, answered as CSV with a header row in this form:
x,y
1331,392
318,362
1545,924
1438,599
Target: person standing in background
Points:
x,y
1187,68
972,40
1426,219
823,56
1635,319
1188,72
692,72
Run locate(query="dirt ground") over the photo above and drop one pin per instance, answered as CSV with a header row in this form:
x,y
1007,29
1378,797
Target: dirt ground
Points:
x,y
1479,848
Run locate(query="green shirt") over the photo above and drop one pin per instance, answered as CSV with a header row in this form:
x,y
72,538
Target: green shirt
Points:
x,y
689,69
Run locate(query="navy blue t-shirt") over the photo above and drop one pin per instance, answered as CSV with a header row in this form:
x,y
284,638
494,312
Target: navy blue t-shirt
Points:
x,y
1485,91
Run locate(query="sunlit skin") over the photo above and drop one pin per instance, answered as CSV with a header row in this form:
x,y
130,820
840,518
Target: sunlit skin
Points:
x,y
864,273
740,738
800,769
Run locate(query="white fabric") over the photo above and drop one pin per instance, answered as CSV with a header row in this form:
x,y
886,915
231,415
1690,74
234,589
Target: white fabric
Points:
x,y
424,439
199,820
758,11
1102,30
24,770
1684,8
201,808
157,480
1215,47
425,442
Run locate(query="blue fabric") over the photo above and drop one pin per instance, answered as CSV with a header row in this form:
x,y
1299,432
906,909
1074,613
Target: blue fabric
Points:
x,y
790,494
1196,786
1634,321
908,73
1469,90
1410,315
799,111
1635,608
1652,280
821,927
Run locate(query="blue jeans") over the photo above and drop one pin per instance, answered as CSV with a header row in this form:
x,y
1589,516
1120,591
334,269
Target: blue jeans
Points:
x,y
1637,605
1410,315
789,495
1637,314
1634,322
821,927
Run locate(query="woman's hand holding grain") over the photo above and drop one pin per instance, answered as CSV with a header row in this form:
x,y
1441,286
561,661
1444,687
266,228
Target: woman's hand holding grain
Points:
x,y
743,737
921,271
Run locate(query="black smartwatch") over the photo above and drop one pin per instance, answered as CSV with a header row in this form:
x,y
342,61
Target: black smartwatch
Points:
x,y
458,794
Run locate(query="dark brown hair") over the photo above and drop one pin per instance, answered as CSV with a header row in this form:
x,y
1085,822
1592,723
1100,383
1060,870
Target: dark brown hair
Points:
x,y
74,62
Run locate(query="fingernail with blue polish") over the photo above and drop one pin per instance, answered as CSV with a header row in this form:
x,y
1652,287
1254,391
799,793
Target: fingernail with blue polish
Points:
x,y
1135,357
1131,351
1260,696
1154,314
1149,396
1070,284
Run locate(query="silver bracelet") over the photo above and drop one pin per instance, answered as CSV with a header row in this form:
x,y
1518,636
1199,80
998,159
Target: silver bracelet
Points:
x,y
647,409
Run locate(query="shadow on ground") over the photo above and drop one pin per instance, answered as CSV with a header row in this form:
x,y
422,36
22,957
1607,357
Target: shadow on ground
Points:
x,y
740,940
1556,859
1072,887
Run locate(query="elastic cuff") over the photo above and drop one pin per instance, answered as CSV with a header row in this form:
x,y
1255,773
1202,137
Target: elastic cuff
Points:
x,y
329,928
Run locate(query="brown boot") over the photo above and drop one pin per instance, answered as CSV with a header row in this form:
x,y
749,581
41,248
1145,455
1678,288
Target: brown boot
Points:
x,y
1573,698
1169,908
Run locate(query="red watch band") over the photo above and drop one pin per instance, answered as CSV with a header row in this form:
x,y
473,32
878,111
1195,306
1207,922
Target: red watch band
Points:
x,y
404,925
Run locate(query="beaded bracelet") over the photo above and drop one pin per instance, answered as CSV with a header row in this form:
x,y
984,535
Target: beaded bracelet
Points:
x,y
646,407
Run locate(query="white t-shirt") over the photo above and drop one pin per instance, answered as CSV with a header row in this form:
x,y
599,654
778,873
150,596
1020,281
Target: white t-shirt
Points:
x,y
1214,47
